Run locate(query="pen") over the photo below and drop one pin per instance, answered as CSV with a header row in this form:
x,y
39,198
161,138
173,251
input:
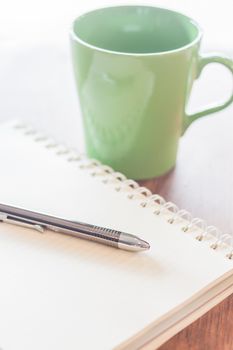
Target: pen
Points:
x,y
40,222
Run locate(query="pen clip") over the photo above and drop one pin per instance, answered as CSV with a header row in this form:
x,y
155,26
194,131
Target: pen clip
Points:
x,y
4,218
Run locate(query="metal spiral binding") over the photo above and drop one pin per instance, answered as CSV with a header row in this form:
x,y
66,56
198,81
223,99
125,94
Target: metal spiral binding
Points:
x,y
134,190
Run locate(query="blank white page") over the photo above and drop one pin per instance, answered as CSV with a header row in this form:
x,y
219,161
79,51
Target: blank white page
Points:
x,y
58,292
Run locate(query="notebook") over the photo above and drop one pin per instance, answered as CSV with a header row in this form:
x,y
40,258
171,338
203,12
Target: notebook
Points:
x,y
59,292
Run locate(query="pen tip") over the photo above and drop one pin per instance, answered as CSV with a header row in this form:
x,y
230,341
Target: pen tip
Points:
x,y
144,245
132,243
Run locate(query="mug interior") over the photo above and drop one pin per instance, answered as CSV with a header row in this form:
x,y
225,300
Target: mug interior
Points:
x,y
135,29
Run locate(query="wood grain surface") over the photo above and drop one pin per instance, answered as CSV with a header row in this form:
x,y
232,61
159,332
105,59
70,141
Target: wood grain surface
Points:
x,y
202,182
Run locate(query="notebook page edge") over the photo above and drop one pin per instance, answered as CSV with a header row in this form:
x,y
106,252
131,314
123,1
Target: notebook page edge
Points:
x,y
194,308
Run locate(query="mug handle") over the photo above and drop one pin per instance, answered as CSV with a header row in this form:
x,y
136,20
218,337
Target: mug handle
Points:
x,y
204,60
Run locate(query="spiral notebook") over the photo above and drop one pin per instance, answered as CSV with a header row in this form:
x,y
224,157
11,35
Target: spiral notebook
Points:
x,y
58,292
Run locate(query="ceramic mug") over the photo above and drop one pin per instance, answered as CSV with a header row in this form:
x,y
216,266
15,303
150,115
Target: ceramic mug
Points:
x,y
134,68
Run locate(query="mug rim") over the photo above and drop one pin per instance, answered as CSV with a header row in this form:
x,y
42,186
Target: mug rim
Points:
x,y
75,37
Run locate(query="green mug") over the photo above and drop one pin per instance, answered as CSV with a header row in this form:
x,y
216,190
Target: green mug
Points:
x,y
134,68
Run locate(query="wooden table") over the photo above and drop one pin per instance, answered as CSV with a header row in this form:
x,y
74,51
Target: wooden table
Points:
x,y
202,182
36,84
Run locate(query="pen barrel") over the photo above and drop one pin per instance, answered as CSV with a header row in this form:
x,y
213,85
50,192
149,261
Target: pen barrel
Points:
x,y
40,222
92,233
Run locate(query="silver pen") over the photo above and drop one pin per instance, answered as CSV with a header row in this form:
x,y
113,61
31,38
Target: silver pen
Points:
x,y
40,222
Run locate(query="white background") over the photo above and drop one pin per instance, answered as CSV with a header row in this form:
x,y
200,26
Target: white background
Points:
x,y
49,20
